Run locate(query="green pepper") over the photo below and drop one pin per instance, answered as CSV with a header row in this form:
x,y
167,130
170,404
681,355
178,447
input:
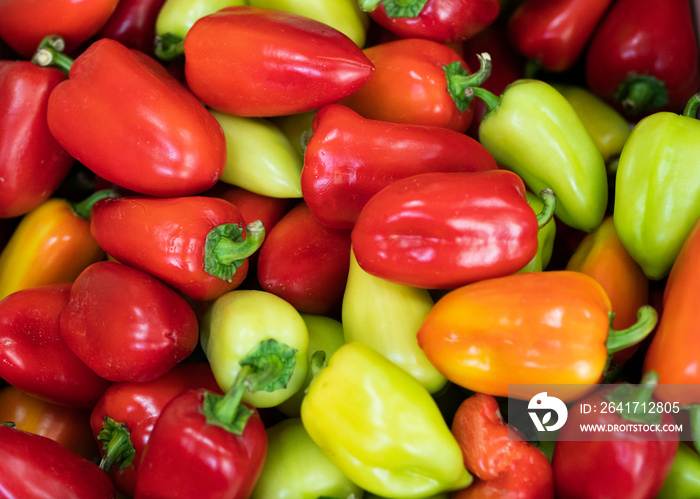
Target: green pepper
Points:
x,y
259,157
240,319
175,19
325,335
683,482
296,467
343,15
545,237
381,427
532,129
657,188
387,317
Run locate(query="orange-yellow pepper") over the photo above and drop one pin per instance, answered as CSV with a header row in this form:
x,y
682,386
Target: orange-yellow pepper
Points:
x,y
550,327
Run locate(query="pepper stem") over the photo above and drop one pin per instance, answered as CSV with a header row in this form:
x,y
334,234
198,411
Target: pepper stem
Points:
x,y
632,399
395,8
225,248
691,108
368,5
463,86
83,208
117,447
550,202
641,93
168,46
624,338
49,53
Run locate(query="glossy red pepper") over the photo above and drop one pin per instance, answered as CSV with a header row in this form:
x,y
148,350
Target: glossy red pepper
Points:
x,y
133,23
644,57
444,230
24,23
303,63
32,163
128,120
349,159
36,466
196,244
125,324
622,464
553,33
305,262
35,357
504,463
409,85
442,21
123,418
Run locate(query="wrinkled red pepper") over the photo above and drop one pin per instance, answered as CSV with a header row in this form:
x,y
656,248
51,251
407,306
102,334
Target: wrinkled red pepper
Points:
x,y
445,230
35,357
32,163
644,57
504,463
349,159
196,244
128,120
123,418
36,466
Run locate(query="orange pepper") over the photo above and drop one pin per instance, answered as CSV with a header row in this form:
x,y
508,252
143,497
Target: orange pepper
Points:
x,y
51,244
69,426
550,327
602,256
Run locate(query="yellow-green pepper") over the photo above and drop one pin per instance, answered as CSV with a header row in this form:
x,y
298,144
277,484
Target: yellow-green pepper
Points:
x,y
381,427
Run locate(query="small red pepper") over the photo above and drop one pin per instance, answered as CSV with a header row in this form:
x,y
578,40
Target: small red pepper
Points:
x,y
123,418
349,159
196,244
553,34
32,163
443,21
305,262
133,23
504,463
35,357
36,466
643,57
128,120
445,230
125,324
255,61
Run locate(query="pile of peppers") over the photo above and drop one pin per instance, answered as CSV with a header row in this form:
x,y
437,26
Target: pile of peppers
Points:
x,y
303,248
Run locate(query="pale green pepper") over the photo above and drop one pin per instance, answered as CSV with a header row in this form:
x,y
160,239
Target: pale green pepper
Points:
x,y
259,157
545,237
381,427
295,467
298,128
683,481
387,317
239,320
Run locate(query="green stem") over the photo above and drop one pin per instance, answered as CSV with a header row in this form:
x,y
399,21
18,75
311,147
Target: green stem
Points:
x,y
463,86
117,447
691,108
641,93
369,5
225,249
550,202
624,338
632,399
169,46
532,68
49,54
83,208
694,418
402,8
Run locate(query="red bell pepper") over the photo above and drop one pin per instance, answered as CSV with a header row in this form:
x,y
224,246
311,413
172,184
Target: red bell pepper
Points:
x,y
254,61
644,57
349,159
409,85
620,464
32,164
553,34
126,325
442,21
196,244
445,230
24,23
208,445
305,262
128,120
36,466
35,357
504,464
133,23
123,418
